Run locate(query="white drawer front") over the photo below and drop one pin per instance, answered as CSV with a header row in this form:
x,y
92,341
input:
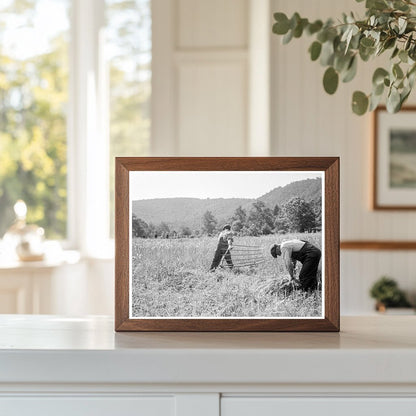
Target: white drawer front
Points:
x,y
268,406
87,406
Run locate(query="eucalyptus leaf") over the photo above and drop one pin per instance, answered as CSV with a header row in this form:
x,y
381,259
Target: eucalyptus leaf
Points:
x,y
374,102
298,30
314,27
351,32
400,5
281,26
399,85
346,34
383,18
404,96
341,62
366,53
351,70
367,42
294,20
376,36
378,89
327,53
337,43
376,4
322,36
389,43
350,18
397,71
402,22
395,27
330,80
411,78
393,101
359,103
395,52
288,37
331,33
412,70
355,41
403,56
379,75
315,50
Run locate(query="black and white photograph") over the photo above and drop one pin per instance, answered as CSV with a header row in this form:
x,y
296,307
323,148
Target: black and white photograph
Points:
x,y
226,244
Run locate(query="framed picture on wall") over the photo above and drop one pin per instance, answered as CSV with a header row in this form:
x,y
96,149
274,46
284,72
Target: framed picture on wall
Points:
x,y
227,244
394,159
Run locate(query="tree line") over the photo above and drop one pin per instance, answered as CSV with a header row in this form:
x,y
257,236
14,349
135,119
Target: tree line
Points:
x,y
296,215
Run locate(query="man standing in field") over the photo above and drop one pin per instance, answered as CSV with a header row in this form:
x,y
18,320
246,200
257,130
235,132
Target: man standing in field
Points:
x,y
225,244
299,250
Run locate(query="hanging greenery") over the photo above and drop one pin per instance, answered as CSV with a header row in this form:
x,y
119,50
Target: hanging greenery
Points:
x,y
389,27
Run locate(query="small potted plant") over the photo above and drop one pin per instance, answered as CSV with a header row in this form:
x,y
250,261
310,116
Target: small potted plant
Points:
x,y
387,294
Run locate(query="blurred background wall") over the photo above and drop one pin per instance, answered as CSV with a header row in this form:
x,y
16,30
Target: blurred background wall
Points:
x,y
223,85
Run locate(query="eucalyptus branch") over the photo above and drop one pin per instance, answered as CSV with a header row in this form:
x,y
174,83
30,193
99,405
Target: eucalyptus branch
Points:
x,y
389,25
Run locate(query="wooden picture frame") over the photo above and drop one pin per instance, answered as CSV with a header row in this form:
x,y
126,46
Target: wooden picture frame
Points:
x,y
128,169
394,184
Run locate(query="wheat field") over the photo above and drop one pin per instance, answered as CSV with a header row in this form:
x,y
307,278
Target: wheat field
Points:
x,y
171,278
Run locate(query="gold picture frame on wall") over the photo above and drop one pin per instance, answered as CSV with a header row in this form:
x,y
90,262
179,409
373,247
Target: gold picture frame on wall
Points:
x,y
149,295
394,159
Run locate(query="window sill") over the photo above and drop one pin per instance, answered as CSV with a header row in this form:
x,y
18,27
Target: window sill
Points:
x,y
64,257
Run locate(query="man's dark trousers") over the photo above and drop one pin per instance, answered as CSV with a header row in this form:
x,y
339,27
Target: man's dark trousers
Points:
x,y
219,253
309,256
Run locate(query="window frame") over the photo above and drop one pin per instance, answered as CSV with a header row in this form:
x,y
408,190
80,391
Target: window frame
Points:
x,y
87,133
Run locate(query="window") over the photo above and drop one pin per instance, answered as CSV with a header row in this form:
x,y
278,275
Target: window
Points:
x,y
33,101
75,87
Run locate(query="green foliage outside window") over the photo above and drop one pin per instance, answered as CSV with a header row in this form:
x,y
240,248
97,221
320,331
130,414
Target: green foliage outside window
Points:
x,y
33,99
34,103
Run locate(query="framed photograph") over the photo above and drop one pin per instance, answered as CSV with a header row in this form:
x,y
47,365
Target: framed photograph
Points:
x,y
394,179
227,244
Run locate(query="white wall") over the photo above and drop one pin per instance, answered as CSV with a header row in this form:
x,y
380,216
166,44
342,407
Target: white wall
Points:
x,y
308,122
200,77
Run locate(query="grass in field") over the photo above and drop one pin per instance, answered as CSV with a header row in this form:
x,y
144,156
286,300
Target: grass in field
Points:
x,y
171,278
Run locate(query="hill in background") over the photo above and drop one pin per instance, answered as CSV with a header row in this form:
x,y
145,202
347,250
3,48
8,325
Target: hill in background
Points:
x,y
309,189
188,212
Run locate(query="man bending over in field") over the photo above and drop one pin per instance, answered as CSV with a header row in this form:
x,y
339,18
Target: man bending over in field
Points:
x,y
299,250
225,244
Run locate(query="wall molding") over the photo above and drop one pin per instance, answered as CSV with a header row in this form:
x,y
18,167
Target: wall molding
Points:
x,y
377,245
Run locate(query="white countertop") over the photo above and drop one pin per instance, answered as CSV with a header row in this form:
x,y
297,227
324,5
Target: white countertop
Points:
x,y
53,349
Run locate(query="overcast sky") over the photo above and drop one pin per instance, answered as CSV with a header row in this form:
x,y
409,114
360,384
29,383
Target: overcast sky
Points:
x,y
224,184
